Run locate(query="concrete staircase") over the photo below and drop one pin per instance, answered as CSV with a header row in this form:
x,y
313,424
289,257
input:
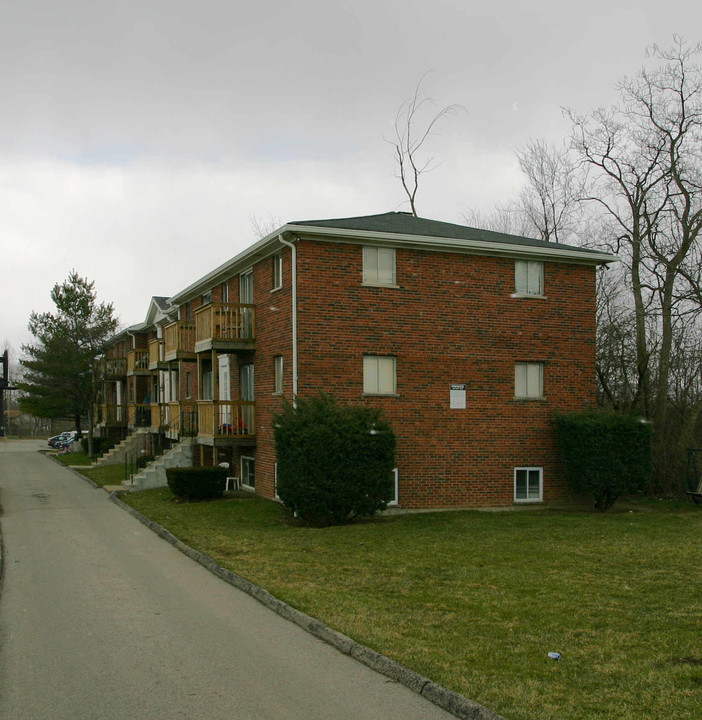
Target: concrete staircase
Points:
x,y
117,454
154,474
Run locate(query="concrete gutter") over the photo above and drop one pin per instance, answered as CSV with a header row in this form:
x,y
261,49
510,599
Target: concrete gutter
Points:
x,y
450,701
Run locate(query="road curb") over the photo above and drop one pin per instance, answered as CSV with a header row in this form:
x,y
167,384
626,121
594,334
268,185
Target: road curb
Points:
x,y
457,705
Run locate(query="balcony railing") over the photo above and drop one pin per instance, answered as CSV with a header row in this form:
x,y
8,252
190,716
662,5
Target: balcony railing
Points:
x,y
114,414
139,415
137,361
225,322
114,367
158,415
155,353
178,339
182,418
225,419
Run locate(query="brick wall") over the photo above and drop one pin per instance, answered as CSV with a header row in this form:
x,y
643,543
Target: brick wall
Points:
x,y
452,319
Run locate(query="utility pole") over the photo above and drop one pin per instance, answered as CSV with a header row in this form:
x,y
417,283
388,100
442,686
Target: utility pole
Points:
x,y
4,385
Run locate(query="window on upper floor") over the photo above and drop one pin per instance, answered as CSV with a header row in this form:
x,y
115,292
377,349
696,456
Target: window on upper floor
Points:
x,y
277,271
528,380
225,292
528,277
207,297
379,375
378,266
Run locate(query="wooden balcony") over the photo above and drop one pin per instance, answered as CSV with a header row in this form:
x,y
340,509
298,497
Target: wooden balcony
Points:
x,y
179,341
114,368
156,357
138,362
222,420
139,416
226,327
114,415
180,419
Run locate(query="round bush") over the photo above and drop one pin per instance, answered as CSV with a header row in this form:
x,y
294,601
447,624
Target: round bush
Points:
x,y
197,483
334,462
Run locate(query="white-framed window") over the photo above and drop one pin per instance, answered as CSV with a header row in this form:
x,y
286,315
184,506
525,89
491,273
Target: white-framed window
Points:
x,y
277,271
528,484
378,266
225,292
528,380
379,375
248,472
528,277
394,499
278,374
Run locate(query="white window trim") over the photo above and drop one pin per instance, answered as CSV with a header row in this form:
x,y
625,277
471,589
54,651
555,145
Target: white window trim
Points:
x,y
541,379
396,501
250,488
541,485
376,283
277,271
278,375
525,292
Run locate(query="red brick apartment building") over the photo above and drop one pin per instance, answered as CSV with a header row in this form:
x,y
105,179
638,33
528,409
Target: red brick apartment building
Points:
x,y
470,341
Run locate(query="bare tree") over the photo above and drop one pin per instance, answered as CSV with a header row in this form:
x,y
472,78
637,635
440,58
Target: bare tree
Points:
x,y
508,218
411,133
262,228
646,157
555,187
549,207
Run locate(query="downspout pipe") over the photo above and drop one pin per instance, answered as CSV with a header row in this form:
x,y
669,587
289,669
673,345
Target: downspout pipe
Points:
x,y
293,250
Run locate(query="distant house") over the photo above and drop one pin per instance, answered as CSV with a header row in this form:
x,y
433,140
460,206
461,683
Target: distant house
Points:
x,y
468,340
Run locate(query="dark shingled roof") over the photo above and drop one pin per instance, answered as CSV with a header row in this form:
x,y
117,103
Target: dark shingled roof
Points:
x,y
406,224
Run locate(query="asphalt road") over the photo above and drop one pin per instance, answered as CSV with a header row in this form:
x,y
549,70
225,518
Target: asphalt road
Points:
x,y
100,619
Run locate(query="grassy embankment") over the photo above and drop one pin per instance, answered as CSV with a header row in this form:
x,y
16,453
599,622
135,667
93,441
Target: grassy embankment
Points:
x,y
476,600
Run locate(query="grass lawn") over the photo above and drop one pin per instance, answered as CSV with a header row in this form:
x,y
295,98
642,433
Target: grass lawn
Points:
x,y
104,475
476,600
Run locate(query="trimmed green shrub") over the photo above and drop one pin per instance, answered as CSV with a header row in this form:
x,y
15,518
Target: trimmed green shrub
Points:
x,y
334,462
197,483
100,445
605,454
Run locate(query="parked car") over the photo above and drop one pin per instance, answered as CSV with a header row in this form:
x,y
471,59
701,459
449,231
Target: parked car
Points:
x,y
58,441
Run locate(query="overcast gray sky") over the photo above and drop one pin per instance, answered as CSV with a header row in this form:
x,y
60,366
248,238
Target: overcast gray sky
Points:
x,y
138,138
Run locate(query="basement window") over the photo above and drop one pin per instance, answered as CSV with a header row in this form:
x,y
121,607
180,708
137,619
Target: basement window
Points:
x,y
528,484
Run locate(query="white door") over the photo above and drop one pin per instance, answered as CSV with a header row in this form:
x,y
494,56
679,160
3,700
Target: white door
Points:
x,y
118,400
246,387
225,394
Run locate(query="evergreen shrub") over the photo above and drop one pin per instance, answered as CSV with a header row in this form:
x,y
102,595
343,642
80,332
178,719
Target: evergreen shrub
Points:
x,y
197,483
606,455
100,445
334,461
